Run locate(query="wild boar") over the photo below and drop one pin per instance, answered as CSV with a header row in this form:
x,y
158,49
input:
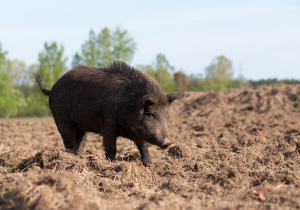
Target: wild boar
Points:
x,y
115,100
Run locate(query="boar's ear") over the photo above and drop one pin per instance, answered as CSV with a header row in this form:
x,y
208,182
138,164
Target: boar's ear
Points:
x,y
173,96
147,100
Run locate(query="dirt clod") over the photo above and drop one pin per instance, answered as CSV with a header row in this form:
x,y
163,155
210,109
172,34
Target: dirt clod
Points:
x,y
175,152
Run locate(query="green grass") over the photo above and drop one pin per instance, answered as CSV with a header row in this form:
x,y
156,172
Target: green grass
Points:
x,y
9,165
9,195
295,97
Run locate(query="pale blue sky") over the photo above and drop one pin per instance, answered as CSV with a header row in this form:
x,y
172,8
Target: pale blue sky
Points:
x,y
262,35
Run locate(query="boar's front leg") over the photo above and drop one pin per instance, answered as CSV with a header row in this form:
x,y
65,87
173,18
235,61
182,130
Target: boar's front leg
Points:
x,y
143,148
110,147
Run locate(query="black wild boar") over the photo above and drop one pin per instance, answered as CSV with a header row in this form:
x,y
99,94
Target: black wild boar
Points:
x,y
116,100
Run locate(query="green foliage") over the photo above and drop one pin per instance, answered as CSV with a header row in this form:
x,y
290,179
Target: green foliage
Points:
x,y
21,96
101,49
220,66
11,99
90,53
3,60
8,96
76,60
9,195
9,165
274,81
19,93
123,46
241,82
52,65
219,75
18,72
218,83
295,97
8,104
35,107
161,71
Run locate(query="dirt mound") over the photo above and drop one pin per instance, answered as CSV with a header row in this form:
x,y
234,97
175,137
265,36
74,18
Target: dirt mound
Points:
x,y
41,159
52,191
239,149
256,99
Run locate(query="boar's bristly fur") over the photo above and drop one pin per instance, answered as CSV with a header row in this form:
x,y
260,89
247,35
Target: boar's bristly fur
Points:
x,y
116,100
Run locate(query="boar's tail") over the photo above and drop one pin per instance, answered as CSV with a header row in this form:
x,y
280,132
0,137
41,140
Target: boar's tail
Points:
x,y
41,86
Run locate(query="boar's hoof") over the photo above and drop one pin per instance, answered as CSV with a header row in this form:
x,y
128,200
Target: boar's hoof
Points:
x,y
166,143
72,151
149,165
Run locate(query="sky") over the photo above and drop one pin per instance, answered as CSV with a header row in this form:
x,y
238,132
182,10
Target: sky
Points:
x,y
260,37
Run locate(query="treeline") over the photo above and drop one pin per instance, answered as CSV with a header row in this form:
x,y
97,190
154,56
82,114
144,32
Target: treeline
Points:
x,y
21,97
274,81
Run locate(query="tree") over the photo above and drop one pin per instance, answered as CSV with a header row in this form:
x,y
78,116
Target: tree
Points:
x,y
123,46
27,84
76,60
101,49
219,74
107,43
161,71
182,80
52,65
3,60
145,68
220,66
90,53
18,72
8,105
241,82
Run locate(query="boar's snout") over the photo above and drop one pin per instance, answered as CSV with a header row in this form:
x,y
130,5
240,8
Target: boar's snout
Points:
x,y
166,143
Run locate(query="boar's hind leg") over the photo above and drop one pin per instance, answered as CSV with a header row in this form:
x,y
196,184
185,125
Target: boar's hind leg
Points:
x,y
110,147
80,138
67,131
143,148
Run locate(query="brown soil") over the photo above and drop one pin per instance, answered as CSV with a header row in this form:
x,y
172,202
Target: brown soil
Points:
x,y
239,149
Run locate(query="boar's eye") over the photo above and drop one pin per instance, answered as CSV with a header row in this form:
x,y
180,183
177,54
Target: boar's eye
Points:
x,y
150,114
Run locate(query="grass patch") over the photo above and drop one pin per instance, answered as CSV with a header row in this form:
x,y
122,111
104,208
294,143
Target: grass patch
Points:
x,y
295,97
9,165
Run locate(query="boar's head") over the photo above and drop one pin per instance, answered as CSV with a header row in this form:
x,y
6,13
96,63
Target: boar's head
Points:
x,y
152,126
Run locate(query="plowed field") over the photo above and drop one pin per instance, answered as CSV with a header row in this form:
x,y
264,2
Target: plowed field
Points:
x,y
238,149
